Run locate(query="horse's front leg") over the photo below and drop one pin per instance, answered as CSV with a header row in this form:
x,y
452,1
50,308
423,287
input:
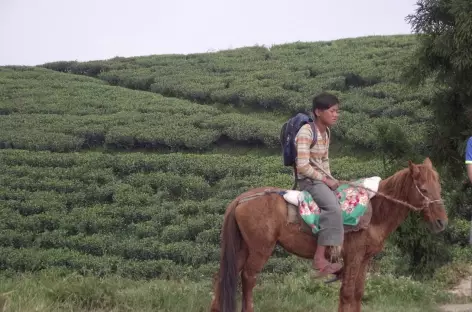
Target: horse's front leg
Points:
x,y
360,283
354,255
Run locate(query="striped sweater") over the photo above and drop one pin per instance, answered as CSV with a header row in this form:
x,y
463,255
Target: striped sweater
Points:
x,y
306,156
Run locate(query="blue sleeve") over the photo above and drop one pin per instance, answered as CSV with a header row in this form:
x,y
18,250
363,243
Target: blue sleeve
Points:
x,y
468,151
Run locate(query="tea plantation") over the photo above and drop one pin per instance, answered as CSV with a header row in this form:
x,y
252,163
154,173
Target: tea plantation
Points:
x,y
121,169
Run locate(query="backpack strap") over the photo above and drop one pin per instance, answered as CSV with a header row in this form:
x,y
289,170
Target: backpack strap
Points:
x,y
313,129
313,142
295,172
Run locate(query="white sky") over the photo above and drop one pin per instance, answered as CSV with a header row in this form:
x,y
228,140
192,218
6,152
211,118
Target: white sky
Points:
x,y
38,31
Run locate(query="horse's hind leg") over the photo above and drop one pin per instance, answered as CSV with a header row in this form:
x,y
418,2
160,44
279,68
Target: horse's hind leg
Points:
x,y
242,255
259,226
254,264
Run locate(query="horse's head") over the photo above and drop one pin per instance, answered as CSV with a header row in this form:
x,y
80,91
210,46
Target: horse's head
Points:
x,y
426,193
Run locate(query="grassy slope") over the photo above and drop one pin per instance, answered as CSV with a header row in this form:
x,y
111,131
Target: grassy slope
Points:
x,y
364,72
157,215
45,110
54,291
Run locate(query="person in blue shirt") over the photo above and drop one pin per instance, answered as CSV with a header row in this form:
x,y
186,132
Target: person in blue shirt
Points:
x,y
468,158
468,164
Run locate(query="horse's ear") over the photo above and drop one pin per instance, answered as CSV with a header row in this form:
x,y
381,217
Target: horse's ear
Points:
x,y
428,162
415,172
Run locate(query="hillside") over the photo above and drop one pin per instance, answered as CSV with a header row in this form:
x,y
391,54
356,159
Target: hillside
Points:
x,y
364,72
165,206
125,166
72,113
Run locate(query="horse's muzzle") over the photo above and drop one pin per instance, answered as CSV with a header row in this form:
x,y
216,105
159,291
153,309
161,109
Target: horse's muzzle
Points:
x,y
439,225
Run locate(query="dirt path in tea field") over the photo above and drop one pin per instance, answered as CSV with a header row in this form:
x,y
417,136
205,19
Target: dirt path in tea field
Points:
x,y
463,289
457,307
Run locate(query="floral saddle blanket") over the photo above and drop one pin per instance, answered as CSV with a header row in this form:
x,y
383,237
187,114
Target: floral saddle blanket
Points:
x,y
354,202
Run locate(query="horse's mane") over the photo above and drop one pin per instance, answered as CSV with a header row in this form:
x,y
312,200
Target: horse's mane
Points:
x,y
395,185
398,186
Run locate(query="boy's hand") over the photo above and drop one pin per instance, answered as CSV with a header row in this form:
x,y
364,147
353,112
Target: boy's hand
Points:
x,y
332,184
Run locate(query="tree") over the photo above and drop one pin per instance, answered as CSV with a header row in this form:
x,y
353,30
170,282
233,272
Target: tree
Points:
x,y
444,55
421,250
443,59
394,146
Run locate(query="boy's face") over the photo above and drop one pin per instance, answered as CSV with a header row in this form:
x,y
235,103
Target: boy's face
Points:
x,y
328,116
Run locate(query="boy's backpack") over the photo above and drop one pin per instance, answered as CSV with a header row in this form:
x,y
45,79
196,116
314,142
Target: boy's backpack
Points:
x,y
287,138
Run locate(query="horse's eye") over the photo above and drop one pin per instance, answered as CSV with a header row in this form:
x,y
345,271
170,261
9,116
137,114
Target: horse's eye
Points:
x,y
424,191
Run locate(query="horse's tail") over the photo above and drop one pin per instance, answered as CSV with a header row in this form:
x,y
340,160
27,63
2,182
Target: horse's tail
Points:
x,y
230,245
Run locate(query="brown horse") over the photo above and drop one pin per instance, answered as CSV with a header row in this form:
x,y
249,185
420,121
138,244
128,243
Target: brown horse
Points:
x,y
251,229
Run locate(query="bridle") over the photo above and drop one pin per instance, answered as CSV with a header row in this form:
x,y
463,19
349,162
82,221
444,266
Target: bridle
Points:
x,y
427,201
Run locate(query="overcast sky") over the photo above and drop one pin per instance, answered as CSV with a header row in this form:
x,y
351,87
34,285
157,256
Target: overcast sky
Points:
x,y
37,31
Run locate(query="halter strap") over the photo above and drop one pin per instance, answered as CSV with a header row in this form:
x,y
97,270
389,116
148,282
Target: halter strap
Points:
x,y
427,200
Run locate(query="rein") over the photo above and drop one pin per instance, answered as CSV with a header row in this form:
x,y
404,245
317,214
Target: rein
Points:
x,y
427,202
401,202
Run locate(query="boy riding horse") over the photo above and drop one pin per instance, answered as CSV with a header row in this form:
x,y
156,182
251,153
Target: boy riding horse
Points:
x,y
316,182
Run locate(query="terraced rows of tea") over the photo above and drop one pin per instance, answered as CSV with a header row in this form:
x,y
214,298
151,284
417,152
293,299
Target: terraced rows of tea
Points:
x,y
138,215
45,110
126,166
364,72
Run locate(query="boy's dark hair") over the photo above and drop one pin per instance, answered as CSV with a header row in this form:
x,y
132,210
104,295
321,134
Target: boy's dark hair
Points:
x,y
324,101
